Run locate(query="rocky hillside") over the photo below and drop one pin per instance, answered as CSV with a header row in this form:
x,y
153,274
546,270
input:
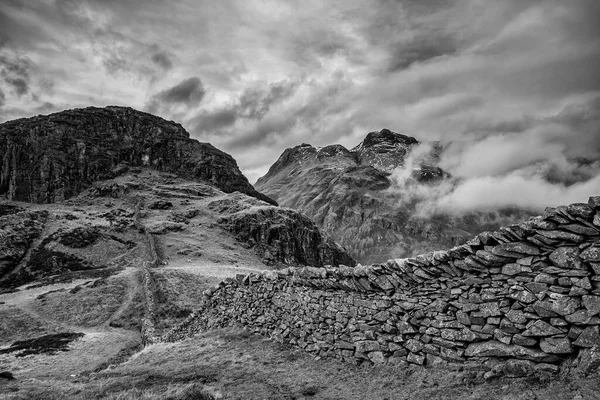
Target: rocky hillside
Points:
x,y
351,195
49,158
92,168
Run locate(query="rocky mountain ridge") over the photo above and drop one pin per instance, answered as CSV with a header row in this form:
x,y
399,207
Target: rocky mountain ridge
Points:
x,y
49,158
352,195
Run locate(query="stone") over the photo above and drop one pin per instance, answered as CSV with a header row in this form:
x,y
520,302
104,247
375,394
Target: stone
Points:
x,y
517,368
488,310
511,269
515,250
545,278
377,357
541,328
581,210
524,296
536,287
563,305
588,360
591,254
516,316
580,317
566,257
497,349
594,202
524,341
415,358
545,367
413,345
561,235
502,337
556,345
463,335
463,318
490,258
590,337
365,346
509,327
591,303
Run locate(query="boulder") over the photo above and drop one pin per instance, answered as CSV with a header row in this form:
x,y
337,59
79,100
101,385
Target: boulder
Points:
x,y
497,349
566,257
556,345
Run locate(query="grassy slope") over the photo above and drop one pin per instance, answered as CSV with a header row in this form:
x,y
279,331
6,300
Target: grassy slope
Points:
x,y
237,365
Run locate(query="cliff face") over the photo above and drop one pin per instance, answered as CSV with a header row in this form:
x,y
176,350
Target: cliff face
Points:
x,y
351,195
50,158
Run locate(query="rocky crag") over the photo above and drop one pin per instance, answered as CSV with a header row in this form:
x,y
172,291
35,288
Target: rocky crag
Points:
x,y
521,300
50,158
352,195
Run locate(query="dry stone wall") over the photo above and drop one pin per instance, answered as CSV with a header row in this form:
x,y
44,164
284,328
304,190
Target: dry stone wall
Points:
x,y
519,300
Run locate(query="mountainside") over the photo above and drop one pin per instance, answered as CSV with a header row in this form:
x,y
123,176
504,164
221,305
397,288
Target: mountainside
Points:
x,y
54,157
352,195
94,167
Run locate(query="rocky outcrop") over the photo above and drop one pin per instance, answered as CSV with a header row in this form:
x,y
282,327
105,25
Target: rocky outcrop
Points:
x,y
50,158
515,301
285,236
18,230
351,195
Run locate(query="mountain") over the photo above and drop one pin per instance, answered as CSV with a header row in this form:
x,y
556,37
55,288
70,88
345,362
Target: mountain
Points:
x,y
355,197
49,158
75,184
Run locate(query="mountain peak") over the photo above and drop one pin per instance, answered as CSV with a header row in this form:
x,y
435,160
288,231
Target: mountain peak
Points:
x,y
384,150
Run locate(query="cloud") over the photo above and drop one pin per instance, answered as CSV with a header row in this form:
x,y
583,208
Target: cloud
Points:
x,y
162,59
16,72
515,189
188,93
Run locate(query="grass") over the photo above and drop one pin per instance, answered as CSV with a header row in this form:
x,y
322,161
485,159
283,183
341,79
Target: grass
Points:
x,y
16,325
84,305
240,365
177,295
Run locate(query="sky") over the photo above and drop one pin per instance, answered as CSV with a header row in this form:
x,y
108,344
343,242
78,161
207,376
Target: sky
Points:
x,y
512,87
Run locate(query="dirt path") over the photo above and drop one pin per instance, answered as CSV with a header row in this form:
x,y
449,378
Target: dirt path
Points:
x,y
134,286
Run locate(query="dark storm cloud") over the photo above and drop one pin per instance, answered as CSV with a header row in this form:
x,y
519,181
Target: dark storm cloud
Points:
x,y
162,59
188,92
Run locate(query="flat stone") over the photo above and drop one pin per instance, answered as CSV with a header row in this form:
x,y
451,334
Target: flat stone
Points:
x,y
508,326
502,336
580,317
463,335
541,328
545,278
566,257
463,318
591,254
562,235
515,250
490,258
564,305
517,368
581,229
524,341
494,348
590,337
591,303
556,345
